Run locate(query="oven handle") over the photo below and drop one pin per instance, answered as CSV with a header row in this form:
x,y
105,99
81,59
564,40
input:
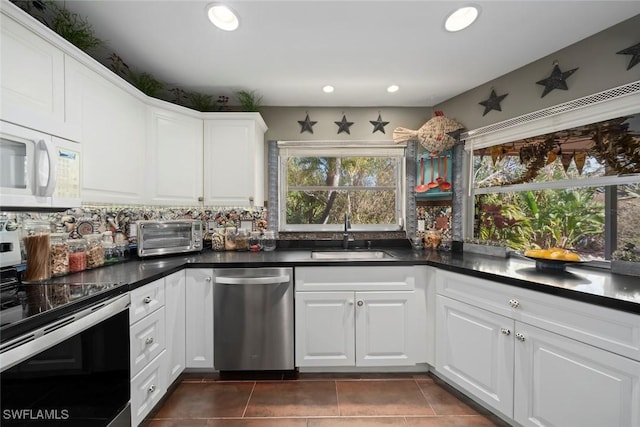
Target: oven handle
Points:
x,y
25,346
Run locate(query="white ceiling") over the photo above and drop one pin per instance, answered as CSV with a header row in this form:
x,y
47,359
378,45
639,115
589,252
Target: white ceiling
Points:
x,y
288,50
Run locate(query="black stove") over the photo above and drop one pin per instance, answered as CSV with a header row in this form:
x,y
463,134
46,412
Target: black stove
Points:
x,y
28,306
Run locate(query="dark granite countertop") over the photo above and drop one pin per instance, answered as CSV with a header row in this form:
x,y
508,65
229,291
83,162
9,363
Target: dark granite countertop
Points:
x,y
579,283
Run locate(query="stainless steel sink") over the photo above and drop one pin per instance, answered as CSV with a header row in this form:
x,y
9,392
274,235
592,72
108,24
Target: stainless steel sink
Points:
x,y
350,254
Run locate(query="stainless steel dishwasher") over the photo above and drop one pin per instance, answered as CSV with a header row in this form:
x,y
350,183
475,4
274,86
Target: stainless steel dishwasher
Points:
x,y
253,319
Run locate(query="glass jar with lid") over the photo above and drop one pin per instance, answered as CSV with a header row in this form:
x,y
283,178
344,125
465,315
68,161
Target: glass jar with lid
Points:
x,y
217,239
59,255
269,241
77,255
36,240
95,251
242,240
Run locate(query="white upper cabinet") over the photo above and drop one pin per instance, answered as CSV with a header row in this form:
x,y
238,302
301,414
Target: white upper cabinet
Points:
x,y
113,136
32,82
174,162
234,159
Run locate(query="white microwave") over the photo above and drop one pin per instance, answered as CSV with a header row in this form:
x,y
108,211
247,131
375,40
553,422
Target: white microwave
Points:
x,y
37,170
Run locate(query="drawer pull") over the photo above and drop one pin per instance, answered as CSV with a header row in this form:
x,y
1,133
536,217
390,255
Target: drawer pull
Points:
x,y
520,337
208,279
147,300
360,303
505,331
151,388
149,340
514,303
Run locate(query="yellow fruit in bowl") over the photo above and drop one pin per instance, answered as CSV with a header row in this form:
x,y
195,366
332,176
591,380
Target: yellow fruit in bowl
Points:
x,y
533,253
557,255
571,256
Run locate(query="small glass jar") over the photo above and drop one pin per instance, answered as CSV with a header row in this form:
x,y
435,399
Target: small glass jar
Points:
x,y
95,251
36,239
255,241
268,241
59,255
242,240
217,239
77,255
110,255
230,236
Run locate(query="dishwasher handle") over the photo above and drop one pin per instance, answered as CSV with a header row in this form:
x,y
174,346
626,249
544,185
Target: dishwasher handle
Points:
x,y
272,280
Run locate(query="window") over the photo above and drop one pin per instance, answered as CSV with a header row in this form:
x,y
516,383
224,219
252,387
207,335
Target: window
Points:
x,y
321,181
577,188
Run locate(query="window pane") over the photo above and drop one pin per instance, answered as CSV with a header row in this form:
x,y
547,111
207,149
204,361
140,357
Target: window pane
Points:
x,y
348,171
628,215
328,207
573,218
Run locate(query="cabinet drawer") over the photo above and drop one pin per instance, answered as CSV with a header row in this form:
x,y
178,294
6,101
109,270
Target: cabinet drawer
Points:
x,y
145,300
147,340
609,329
147,388
355,278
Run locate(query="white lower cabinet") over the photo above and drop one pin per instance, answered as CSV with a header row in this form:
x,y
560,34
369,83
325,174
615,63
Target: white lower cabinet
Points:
x,y
199,318
361,328
175,292
147,388
532,375
474,349
560,382
147,344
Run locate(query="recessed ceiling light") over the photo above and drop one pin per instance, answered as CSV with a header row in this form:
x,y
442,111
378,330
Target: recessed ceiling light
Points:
x,y
393,88
327,89
461,18
222,17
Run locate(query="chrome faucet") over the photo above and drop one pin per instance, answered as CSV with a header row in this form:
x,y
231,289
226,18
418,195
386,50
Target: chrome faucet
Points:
x,y
345,235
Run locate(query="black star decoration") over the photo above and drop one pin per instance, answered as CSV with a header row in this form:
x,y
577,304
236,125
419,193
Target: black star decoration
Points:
x,y
378,125
556,80
306,125
634,51
493,103
344,125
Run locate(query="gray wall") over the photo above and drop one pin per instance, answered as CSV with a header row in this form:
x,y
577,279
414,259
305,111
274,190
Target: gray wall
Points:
x,y
600,68
283,122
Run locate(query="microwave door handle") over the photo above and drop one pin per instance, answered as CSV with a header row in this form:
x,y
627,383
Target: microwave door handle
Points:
x,y
47,189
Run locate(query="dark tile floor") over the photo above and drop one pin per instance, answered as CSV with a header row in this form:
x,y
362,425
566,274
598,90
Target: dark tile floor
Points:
x,y
318,400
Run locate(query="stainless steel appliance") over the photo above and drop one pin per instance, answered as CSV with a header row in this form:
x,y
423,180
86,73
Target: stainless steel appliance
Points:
x,y
9,245
253,319
169,237
37,170
64,355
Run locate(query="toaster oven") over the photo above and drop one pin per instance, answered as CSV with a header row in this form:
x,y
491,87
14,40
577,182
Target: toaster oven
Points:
x,y
169,237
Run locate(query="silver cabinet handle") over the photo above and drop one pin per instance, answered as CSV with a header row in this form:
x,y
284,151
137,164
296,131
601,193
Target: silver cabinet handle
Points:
x,y
151,388
514,303
519,337
505,331
207,279
149,340
360,303
147,300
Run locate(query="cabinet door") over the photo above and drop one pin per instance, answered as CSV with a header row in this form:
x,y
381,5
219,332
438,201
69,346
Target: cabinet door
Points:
x,y
175,291
474,349
199,318
147,388
562,382
174,170
113,136
32,80
234,161
147,339
384,326
324,329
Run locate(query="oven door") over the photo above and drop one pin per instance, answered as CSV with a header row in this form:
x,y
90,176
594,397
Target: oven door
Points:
x,y
74,372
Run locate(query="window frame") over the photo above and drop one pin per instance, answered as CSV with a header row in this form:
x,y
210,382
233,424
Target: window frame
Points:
x,y
288,149
606,105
